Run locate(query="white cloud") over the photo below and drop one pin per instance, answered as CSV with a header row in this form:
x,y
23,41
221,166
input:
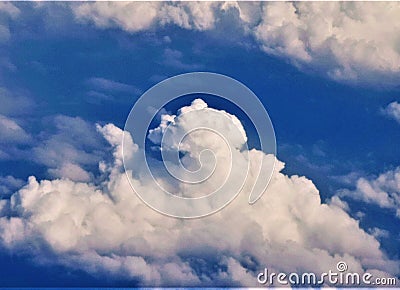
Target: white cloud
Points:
x,y
110,85
336,201
131,16
8,184
73,146
105,228
355,42
137,16
383,191
392,111
103,90
379,233
13,104
4,33
13,138
11,132
9,9
174,58
70,171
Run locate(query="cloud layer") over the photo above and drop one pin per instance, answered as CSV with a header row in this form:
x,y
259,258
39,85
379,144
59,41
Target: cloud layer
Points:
x,y
354,42
103,227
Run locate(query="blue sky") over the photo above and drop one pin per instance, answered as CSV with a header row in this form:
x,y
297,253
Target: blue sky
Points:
x,y
62,70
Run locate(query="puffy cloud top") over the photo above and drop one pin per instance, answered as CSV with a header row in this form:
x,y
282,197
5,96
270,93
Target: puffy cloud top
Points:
x,y
105,228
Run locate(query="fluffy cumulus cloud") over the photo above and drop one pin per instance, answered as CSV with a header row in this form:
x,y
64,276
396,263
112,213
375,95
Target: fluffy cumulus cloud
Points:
x,y
392,111
7,11
350,42
136,16
69,149
103,227
383,191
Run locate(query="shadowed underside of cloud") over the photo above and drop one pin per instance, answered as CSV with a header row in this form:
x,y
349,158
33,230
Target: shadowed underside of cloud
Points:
x,y
355,42
104,228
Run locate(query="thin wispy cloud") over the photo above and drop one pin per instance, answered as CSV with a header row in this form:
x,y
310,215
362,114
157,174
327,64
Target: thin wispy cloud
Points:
x,y
175,58
11,132
106,90
392,111
110,85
